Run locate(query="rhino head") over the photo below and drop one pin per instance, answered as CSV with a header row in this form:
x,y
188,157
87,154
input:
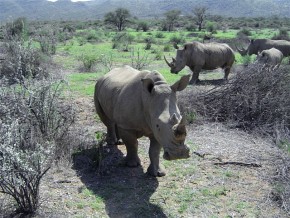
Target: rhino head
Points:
x,y
179,62
251,49
262,57
164,117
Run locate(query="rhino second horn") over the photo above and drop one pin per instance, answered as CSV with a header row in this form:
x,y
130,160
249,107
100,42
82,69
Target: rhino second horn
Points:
x,y
173,119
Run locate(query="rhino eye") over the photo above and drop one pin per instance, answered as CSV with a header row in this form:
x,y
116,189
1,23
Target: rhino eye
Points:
x,y
158,127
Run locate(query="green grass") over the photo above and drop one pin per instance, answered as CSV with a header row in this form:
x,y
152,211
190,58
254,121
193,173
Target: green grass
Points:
x,y
82,83
228,34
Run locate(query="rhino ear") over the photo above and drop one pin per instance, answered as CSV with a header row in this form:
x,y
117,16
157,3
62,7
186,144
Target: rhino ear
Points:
x,y
148,84
181,84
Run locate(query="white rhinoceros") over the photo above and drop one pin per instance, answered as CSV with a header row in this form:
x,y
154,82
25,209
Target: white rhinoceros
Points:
x,y
133,104
270,57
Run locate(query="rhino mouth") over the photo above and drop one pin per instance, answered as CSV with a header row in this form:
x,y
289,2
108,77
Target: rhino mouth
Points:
x,y
166,155
173,71
180,155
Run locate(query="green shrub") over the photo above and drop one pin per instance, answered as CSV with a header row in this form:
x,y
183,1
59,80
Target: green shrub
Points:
x,y
122,41
177,39
211,27
245,32
148,41
167,48
159,35
143,25
282,35
88,60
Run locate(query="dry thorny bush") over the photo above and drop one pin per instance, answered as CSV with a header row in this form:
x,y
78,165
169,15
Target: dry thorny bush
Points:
x,y
255,99
34,125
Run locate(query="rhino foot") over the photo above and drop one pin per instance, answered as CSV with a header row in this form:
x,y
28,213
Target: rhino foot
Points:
x,y
132,162
194,82
153,171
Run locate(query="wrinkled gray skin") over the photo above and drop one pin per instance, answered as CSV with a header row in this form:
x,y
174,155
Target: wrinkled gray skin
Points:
x,y
270,57
258,45
198,56
133,104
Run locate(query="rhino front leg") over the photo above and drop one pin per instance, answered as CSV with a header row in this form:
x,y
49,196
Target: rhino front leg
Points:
x,y
154,151
130,140
195,75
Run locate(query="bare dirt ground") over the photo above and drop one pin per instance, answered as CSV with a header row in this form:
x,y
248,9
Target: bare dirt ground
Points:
x,y
195,187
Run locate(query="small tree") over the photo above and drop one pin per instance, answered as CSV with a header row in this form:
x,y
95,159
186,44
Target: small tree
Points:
x,y
119,18
171,18
200,14
139,60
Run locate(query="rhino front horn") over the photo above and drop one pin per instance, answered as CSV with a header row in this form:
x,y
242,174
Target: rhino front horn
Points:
x,y
169,64
180,130
241,51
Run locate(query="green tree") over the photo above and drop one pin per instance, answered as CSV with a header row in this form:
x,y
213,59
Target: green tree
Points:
x,y
200,14
119,18
171,18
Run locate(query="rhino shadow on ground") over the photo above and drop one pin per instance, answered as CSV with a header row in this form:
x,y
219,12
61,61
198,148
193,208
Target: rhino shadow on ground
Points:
x,y
126,191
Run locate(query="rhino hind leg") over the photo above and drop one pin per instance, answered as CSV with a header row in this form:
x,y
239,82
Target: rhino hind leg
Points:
x,y
112,136
227,72
131,143
154,168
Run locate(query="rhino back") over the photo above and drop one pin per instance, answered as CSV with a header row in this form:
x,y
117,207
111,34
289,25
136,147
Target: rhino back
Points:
x,y
282,45
218,55
119,93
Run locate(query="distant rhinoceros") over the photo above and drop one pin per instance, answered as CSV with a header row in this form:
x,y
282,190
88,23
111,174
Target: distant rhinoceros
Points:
x,y
198,56
270,57
258,45
133,104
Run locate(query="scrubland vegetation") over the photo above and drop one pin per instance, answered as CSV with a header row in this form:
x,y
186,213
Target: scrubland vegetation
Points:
x,y
47,66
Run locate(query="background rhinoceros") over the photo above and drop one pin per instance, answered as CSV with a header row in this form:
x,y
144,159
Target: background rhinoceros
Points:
x,y
198,56
270,57
258,45
133,104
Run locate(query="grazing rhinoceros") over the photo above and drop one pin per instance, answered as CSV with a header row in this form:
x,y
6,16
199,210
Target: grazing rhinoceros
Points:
x,y
270,57
198,56
133,104
258,45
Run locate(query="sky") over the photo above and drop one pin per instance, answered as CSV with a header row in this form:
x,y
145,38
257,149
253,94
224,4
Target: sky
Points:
x,y
71,0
